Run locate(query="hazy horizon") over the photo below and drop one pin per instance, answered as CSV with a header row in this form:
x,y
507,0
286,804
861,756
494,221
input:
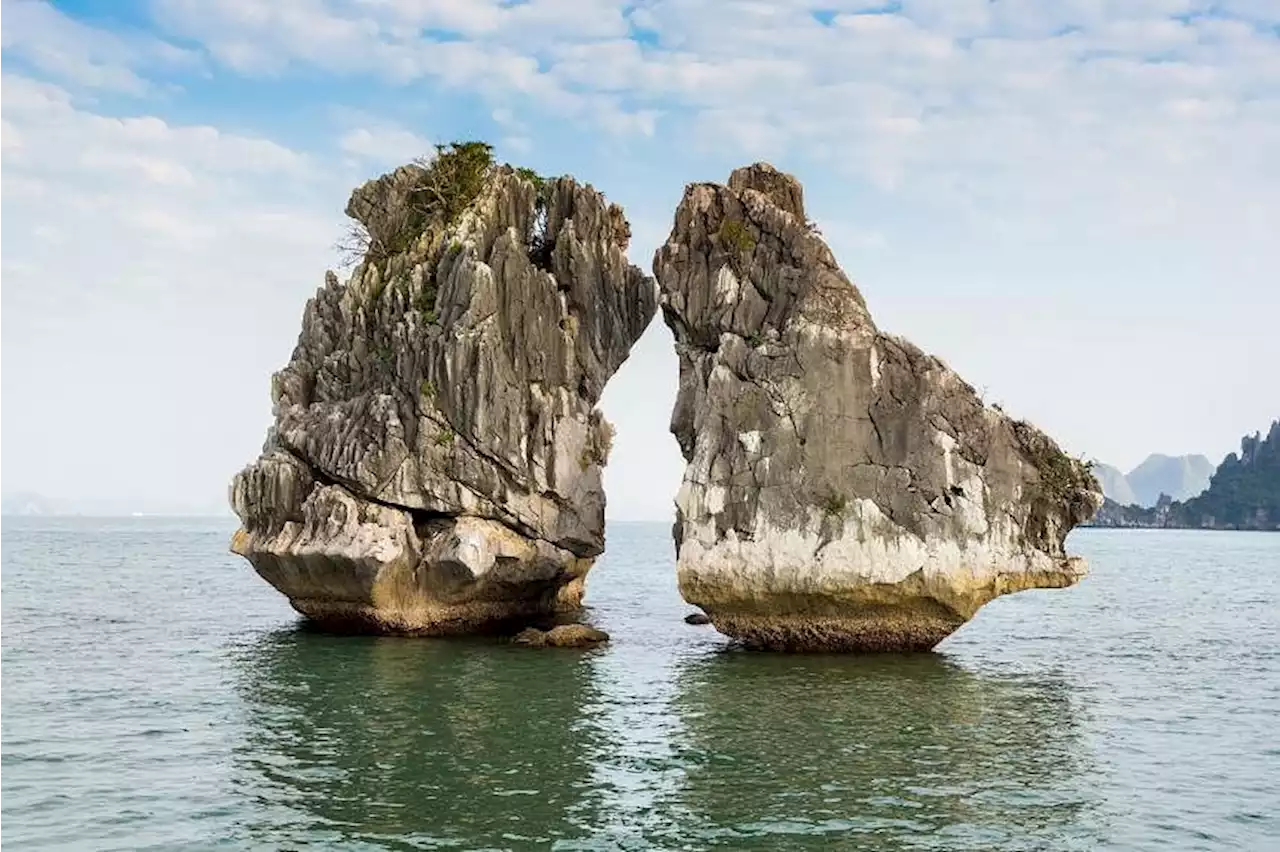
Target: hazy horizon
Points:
x,y
1071,206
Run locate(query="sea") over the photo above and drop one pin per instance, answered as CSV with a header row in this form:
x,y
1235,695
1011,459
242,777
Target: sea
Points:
x,y
158,695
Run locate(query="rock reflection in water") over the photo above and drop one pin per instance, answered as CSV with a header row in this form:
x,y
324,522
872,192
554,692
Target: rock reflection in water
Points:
x,y
384,743
368,742
881,752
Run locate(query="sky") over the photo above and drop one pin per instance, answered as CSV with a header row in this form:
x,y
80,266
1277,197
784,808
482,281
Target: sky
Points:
x,y
1073,203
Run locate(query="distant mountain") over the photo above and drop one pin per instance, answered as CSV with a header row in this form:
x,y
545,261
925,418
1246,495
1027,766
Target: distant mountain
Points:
x,y
1114,484
1181,477
1243,494
28,503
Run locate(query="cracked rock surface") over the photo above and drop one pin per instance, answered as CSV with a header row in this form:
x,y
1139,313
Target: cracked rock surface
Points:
x,y
435,462
844,490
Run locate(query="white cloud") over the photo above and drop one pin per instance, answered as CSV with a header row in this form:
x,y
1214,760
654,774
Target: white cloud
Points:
x,y
516,139
406,18
149,269
968,104
62,160
501,58
61,47
10,138
387,146
56,143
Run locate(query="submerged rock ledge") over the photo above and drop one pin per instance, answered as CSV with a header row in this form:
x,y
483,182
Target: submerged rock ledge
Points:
x,y
434,466
844,490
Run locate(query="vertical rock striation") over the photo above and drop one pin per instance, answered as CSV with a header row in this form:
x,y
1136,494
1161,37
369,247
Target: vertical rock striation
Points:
x,y
844,490
435,462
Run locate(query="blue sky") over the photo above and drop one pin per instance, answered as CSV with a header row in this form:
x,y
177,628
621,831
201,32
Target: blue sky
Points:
x,y
1073,203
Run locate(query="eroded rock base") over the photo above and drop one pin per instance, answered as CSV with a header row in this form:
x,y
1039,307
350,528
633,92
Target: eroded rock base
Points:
x,y
872,631
850,613
351,566
430,620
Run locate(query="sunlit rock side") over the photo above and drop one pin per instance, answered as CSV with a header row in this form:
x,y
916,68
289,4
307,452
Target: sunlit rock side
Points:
x,y
844,490
435,462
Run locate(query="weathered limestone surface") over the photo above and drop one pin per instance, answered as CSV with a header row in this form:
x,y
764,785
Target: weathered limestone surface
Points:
x,y
844,490
434,466
561,636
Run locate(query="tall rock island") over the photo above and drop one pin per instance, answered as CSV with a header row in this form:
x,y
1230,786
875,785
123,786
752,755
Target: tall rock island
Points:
x,y
435,462
844,490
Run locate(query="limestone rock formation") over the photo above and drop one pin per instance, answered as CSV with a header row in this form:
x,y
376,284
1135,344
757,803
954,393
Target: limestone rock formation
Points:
x,y
562,636
435,462
844,490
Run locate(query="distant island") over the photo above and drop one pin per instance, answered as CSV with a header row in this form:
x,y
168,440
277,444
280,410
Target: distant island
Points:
x,y
1243,494
30,503
1179,477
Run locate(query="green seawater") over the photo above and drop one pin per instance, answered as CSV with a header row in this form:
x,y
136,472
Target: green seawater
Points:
x,y
158,695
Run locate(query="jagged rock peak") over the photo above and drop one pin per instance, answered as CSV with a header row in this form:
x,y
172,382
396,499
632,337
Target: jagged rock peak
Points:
x,y
780,188
435,461
844,490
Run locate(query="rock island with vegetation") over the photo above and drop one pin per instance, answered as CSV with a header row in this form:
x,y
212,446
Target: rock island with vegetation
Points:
x,y
435,462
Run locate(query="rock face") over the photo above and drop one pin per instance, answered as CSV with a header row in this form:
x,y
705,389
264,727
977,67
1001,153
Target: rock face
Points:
x,y
844,490
435,462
